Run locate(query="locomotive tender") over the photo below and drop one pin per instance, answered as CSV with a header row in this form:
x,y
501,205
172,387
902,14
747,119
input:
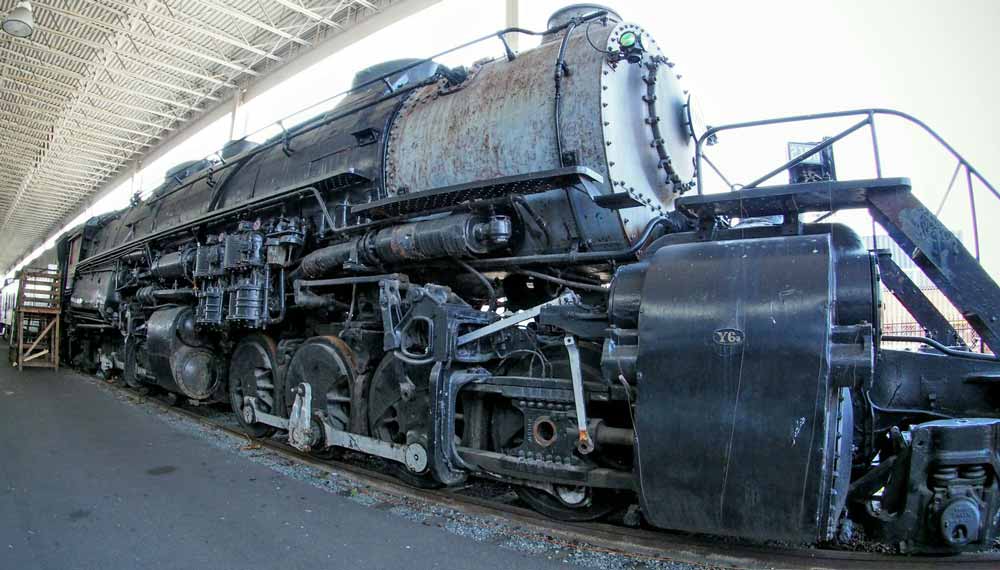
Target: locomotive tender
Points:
x,y
492,272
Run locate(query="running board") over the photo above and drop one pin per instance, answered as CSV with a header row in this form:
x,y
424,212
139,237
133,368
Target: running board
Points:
x,y
919,233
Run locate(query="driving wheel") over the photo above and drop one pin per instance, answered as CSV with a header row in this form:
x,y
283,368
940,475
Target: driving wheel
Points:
x,y
327,364
399,411
253,371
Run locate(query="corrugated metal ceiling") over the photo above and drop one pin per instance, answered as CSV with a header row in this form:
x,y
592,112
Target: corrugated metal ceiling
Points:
x,y
99,83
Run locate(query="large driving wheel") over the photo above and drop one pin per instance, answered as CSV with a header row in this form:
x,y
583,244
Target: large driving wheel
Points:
x,y
571,504
398,407
253,371
327,364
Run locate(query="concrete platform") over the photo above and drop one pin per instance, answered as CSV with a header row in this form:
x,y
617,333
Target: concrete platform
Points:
x,y
90,481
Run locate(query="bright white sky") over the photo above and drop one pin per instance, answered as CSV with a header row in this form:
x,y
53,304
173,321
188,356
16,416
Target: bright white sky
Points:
x,y
743,61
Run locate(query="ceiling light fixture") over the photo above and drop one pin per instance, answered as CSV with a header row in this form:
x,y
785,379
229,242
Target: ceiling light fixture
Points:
x,y
20,22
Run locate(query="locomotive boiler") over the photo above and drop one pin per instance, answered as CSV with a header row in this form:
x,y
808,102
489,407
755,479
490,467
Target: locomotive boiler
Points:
x,y
503,272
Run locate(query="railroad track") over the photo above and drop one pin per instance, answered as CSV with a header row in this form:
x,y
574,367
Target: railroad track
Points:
x,y
642,544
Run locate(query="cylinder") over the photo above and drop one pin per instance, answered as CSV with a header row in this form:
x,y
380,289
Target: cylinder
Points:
x,y
329,259
443,237
151,295
606,435
174,265
452,236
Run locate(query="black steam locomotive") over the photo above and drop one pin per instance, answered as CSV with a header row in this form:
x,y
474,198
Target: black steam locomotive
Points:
x,y
493,272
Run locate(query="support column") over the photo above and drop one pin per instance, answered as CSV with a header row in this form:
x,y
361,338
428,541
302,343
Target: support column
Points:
x,y
512,19
234,131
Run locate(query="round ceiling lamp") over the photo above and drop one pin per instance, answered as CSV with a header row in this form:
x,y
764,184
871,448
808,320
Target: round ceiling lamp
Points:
x,y
20,22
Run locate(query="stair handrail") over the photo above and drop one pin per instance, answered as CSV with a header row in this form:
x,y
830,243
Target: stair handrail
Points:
x,y
709,136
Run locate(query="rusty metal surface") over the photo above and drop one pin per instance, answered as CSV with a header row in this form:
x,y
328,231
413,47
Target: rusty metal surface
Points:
x,y
466,135
500,122
519,185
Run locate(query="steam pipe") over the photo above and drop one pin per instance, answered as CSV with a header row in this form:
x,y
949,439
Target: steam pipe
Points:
x,y
937,345
565,282
482,279
577,257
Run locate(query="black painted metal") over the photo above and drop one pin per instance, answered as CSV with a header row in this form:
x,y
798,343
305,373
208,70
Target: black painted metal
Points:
x,y
746,371
709,137
951,502
617,201
943,258
918,305
917,385
942,348
445,462
789,198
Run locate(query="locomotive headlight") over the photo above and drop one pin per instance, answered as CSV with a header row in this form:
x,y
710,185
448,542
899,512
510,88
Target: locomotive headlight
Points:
x,y
628,40
630,45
